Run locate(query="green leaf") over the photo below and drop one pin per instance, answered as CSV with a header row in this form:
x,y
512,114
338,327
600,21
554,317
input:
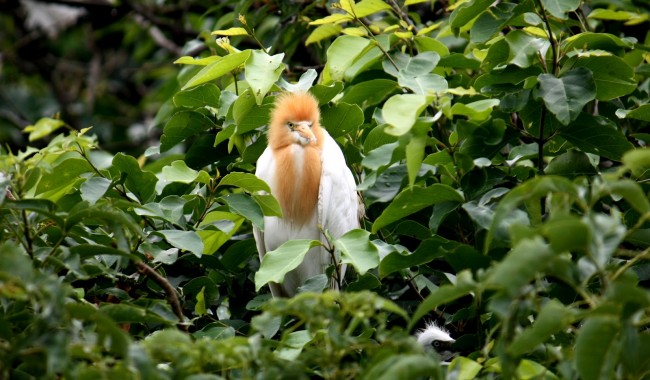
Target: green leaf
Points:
x,y
270,206
596,41
178,171
613,76
63,175
205,95
522,263
341,54
325,93
182,125
15,265
218,68
401,112
365,8
597,347
479,110
323,32
245,206
462,368
524,48
341,119
234,31
553,318
528,193
246,181
566,96
262,71
642,112
248,115
467,11
415,151
598,135
139,182
357,250
402,367
369,92
43,127
637,161
94,188
227,224
571,164
423,84
277,263
427,251
184,240
415,199
559,8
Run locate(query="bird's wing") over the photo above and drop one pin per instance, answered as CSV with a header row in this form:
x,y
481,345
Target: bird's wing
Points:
x,y
266,171
337,199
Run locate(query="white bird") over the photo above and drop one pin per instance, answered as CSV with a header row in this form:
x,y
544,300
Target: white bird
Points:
x,y
307,173
437,338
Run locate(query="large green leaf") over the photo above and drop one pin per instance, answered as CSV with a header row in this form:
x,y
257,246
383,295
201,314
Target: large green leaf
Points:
x,y
522,263
181,126
246,206
62,177
597,135
612,75
43,127
467,11
402,367
524,48
205,95
341,119
369,92
357,250
566,96
186,240
218,68
277,263
139,182
246,181
415,199
262,71
559,8
343,52
248,115
401,112
178,171
597,347
553,318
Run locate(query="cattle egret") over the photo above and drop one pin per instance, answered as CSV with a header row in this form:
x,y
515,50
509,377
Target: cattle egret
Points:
x,y
307,174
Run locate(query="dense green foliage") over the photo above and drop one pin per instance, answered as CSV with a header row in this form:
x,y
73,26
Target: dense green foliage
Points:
x,y
499,148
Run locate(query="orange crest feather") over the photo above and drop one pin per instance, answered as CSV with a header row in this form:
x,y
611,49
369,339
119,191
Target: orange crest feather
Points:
x,y
297,185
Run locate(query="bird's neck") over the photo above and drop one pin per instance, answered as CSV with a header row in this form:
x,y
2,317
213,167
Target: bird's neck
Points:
x,y
298,171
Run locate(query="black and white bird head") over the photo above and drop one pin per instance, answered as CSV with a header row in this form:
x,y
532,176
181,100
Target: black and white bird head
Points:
x,y
434,337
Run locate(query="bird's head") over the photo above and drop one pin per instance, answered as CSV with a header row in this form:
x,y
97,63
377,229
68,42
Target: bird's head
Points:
x,y
295,119
437,338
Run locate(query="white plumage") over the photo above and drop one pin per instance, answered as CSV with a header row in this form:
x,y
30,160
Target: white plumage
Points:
x,y
289,166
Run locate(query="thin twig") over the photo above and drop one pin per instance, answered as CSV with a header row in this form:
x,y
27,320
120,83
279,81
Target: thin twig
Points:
x,y
403,16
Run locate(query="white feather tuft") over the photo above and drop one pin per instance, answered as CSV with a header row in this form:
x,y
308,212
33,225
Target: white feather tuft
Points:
x,y
432,332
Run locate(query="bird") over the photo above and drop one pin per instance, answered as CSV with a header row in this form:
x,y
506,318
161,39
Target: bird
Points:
x,y
434,337
308,175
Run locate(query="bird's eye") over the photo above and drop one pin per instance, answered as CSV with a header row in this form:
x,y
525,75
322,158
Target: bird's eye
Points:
x,y
290,125
436,343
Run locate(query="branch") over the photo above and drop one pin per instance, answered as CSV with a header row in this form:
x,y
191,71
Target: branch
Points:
x,y
172,297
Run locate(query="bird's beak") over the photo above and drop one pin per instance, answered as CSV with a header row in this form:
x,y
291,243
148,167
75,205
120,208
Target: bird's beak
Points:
x,y
305,133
